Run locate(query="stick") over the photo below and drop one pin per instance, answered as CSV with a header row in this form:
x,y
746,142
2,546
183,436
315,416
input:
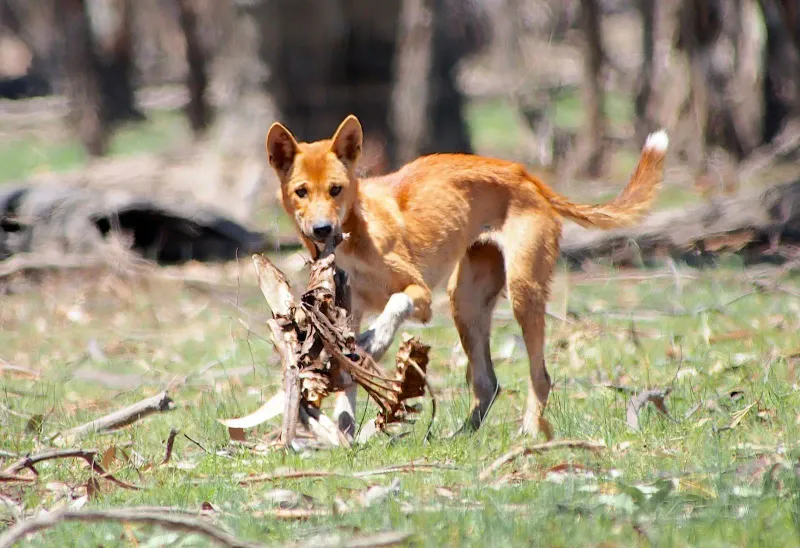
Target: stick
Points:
x,y
285,343
88,455
538,448
118,419
182,524
4,478
170,444
274,286
308,474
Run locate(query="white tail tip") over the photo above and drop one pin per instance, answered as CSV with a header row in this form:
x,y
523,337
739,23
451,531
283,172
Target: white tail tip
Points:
x,y
657,141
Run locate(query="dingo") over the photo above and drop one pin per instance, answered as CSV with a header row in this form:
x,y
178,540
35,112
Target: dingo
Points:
x,y
482,223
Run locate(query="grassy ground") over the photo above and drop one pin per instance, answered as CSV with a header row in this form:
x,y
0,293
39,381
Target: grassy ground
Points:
x,y
53,150
719,471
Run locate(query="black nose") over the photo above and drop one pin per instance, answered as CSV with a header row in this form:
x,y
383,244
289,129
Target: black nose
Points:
x,y
322,231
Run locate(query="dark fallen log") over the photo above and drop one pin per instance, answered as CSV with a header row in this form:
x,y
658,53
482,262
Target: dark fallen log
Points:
x,y
754,226
76,221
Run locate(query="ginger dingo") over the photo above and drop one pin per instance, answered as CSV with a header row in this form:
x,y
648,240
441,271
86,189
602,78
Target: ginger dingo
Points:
x,y
483,224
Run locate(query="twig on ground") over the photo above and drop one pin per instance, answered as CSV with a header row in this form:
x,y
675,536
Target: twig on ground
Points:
x,y
89,455
5,478
538,448
306,474
181,523
170,444
123,417
197,443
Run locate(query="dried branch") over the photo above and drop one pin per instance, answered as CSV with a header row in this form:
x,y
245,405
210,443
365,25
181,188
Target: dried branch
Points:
x,y
538,448
123,417
89,455
306,474
5,478
170,445
180,523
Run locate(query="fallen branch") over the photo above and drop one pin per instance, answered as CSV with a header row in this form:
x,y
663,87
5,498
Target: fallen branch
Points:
x,y
538,448
307,474
123,417
180,523
750,225
5,478
89,455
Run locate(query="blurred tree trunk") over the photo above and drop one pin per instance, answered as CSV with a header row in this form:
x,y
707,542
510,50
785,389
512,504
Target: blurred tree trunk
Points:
x,y
458,31
111,22
197,110
593,149
646,92
433,37
307,64
700,25
781,84
717,40
84,87
412,67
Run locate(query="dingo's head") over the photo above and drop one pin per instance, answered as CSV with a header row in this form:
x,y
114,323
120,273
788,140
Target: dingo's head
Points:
x,y
318,181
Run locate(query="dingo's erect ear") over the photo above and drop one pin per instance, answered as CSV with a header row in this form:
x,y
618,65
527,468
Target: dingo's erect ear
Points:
x,y
347,141
281,148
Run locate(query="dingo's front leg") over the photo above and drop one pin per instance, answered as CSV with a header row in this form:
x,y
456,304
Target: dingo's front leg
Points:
x,y
414,301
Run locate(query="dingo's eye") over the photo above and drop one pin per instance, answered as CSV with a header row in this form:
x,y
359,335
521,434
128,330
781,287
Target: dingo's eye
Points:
x,y
335,190
301,192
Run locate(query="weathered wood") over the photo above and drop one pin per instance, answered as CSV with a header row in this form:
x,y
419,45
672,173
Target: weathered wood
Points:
x,y
123,417
752,225
316,344
73,222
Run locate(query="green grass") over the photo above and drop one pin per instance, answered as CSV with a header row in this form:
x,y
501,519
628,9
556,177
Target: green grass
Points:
x,y
698,479
27,155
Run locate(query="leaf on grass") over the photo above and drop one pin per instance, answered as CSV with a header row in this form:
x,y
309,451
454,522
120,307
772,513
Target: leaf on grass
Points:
x,y
92,488
560,472
635,404
108,458
236,434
